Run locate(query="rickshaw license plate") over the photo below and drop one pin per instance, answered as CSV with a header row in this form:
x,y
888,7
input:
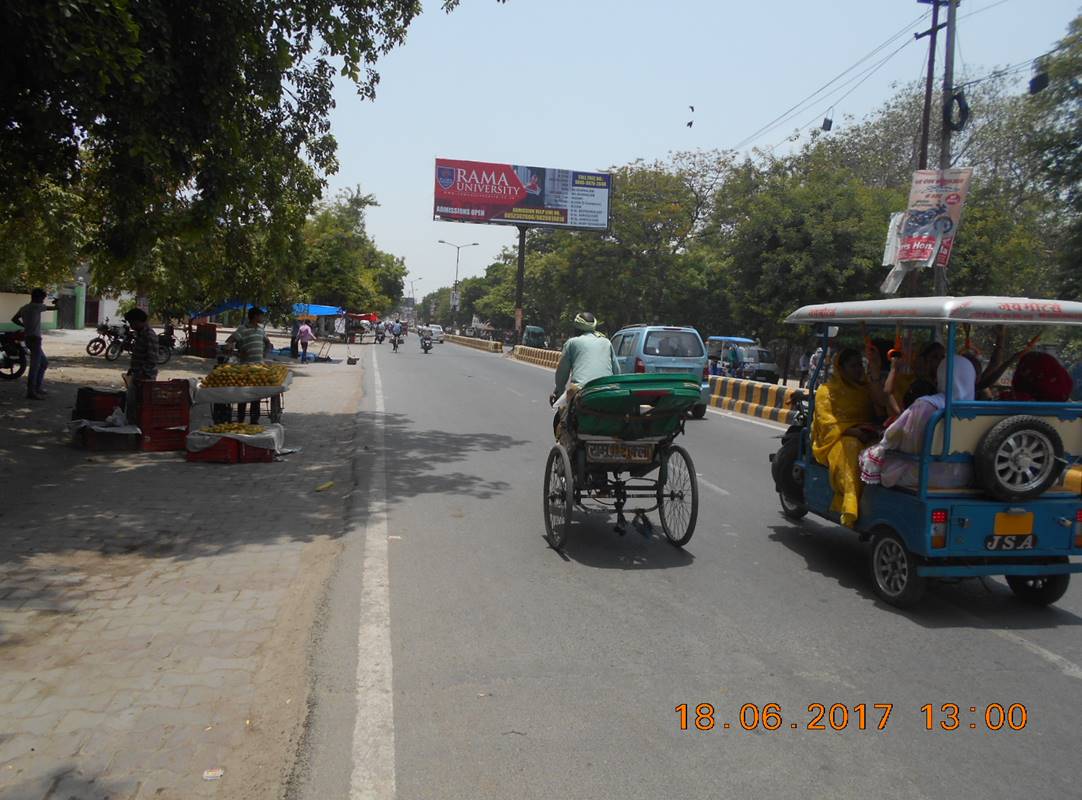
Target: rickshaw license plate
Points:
x,y
616,451
1011,542
1013,524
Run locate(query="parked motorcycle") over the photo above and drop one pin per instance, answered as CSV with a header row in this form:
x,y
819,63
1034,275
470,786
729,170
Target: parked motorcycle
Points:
x,y
126,340
106,334
14,354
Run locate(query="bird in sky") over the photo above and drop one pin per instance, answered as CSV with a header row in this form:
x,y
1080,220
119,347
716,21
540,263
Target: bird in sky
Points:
x,y
692,109
692,122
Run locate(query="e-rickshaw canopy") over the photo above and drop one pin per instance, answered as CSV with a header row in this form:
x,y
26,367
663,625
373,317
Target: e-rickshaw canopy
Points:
x,y
978,309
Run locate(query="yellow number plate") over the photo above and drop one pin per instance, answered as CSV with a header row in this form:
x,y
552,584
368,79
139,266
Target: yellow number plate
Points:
x,y
1013,524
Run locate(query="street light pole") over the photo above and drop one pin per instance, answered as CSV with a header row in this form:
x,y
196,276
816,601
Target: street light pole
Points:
x,y
454,289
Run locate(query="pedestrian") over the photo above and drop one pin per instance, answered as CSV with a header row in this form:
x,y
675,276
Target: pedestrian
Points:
x,y
805,365
251,344
304,336
144,361
293,349
29,319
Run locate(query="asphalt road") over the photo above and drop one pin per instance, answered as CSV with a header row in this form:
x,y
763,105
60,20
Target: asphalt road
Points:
x,y
521,673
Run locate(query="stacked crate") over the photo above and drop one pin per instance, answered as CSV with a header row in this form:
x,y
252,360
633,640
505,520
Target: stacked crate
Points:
x,y
164,414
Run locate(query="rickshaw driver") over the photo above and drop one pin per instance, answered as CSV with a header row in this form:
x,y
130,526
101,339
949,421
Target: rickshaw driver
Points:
x,y
586,356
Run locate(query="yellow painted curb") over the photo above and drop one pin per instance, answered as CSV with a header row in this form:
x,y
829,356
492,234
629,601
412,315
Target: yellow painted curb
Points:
x,y
537,355
476,344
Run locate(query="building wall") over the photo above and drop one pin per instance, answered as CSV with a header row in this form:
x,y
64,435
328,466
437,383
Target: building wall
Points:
x,y
10,303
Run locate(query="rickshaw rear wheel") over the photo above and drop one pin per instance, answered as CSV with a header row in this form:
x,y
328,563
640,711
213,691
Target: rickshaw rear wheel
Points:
x,y
791,509
698,411
1038,590
558,496
677,495
894,570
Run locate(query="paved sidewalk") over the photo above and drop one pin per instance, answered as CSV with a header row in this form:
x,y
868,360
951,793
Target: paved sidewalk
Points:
x,y
154,614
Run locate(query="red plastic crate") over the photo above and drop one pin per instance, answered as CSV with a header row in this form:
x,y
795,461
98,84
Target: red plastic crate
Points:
x,y
223,451
166,393
230,451
105,442
96,405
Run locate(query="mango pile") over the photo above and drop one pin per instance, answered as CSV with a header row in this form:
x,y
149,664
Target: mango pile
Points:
x,y
242,428
246,375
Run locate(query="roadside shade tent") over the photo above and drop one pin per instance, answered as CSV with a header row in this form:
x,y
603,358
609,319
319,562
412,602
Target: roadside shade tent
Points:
x,y
314,310
371,317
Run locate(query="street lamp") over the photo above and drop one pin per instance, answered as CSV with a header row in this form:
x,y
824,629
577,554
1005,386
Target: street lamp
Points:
x,y
413,296
454,290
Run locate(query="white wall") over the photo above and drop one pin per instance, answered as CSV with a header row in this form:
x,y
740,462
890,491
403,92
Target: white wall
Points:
x,y
11,302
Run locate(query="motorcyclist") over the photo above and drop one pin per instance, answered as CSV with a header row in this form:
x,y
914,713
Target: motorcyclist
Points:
x,y
586,356
425,337
381,331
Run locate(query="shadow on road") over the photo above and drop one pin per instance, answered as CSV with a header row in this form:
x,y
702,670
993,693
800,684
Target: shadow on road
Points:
x,y
971,603
592,542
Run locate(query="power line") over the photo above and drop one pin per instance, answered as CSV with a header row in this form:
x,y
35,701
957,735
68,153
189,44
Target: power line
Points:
x,y
801,106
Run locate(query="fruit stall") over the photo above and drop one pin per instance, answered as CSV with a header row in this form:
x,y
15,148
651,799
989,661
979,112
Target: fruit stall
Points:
x,y
230,384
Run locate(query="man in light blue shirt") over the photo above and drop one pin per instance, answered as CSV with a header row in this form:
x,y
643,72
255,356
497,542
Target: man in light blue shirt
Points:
x,y
585,357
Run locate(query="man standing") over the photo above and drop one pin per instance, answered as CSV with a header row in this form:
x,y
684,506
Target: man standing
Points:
x,y
251,343
805,365
294,339
585,357
29,319
144,361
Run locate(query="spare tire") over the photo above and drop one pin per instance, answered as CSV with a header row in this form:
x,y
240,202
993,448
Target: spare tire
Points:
x,y
1019,458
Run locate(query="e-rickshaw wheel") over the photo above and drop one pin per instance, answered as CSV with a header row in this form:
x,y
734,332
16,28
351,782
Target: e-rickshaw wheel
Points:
x,y
558,497
677,495
1018,458
1039,590
894,570
791,509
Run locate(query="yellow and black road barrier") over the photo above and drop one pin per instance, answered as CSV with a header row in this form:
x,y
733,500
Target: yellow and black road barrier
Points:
x,y
537,355
477,344
755,399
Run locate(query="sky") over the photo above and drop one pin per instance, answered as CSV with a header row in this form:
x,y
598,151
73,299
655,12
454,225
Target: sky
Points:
x,y
589,84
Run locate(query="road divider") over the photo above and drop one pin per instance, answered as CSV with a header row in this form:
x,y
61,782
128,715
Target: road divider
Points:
x,y
477,344
537,355
752,398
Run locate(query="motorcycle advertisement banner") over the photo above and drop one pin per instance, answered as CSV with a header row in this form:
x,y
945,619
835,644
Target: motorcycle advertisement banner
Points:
x,y
509,194
936,199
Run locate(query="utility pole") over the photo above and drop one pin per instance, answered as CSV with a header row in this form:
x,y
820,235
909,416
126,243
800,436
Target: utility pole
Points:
x,y
520,281
454,289
926,117
940,273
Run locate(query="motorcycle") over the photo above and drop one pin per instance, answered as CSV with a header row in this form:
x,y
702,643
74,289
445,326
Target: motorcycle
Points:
x,y
125,341
14,354
106,334
380,336
426,343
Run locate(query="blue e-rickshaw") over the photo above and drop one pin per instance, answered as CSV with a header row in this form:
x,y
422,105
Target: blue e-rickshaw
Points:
x,y
1018,519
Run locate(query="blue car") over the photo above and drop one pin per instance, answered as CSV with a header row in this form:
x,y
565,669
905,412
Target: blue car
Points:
x,y
1017,518
662,349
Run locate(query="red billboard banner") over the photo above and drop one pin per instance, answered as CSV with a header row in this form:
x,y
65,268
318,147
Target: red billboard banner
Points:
x,y
936,199
510,194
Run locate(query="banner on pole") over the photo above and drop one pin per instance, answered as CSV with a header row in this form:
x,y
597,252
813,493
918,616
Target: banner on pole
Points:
x,y
936,199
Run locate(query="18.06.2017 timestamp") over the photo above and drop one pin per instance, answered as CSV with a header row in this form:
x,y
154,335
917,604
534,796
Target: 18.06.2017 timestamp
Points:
x,y
993,717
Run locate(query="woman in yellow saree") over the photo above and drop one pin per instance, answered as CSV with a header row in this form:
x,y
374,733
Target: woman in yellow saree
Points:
x,y
843,425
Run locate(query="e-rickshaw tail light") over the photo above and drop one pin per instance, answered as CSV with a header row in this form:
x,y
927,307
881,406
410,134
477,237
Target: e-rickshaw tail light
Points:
x,y
940,518
1078,528
640,366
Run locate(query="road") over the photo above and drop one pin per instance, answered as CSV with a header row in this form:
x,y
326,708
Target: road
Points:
x,y
520,673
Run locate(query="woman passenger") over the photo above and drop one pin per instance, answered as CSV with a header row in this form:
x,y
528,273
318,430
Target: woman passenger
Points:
x,y
906,435
1040,377
844,423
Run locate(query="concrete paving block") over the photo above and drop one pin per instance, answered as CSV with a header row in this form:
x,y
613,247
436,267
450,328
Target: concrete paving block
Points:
x,y
78,720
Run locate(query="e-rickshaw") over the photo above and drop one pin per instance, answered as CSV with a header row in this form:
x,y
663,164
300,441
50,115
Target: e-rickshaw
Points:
x,y
1018,519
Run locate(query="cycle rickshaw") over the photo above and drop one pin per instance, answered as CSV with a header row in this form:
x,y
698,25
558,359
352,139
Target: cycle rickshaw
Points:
x,y
619,432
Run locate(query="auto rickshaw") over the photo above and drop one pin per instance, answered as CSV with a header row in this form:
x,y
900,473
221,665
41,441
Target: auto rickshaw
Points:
x,y
1018,519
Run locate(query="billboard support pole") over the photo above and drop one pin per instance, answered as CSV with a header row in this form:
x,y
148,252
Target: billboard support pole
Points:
x,y
520,280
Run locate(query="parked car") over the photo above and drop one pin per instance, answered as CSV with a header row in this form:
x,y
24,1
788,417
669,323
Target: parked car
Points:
x,y
437,332
757,364
664,349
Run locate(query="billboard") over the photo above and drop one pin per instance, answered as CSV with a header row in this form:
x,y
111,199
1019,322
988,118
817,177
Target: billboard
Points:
x,y
936,198
509,194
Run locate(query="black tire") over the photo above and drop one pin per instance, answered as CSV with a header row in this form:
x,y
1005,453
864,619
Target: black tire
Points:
x,y
787,480
791,509
164,354
677,495
698,412
96,346
894,570
113,351
558,497
1038,590
1019,458
16,367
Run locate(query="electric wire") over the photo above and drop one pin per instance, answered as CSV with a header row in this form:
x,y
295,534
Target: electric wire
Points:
x,y
802,105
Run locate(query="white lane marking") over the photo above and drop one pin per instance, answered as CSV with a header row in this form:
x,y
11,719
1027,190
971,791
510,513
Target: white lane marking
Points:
x,y
373,732
704,482
743,418
1067,667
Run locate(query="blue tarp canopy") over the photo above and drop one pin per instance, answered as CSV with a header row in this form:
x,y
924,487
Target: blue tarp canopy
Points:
x,y
310,309
314,310
735,339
